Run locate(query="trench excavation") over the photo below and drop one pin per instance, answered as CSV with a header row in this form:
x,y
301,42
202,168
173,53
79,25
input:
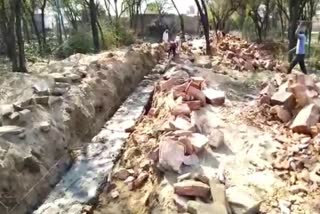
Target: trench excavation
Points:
x,y
55,115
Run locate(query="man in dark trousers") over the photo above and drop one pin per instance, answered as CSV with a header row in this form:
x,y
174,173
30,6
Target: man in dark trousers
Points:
x,y
299,49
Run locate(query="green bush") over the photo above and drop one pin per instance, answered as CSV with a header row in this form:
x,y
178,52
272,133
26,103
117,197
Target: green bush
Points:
x,y
79,42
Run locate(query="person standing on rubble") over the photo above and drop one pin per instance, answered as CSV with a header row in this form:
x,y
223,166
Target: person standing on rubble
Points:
x,y
299,49
165,36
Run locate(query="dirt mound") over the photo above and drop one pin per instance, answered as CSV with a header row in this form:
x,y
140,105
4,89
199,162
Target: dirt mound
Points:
x,y
55,112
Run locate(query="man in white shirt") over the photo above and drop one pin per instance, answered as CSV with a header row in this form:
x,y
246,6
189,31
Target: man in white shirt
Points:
x,y
299,49
165,36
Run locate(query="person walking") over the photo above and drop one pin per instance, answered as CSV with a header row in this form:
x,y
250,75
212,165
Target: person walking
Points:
x,y
299,49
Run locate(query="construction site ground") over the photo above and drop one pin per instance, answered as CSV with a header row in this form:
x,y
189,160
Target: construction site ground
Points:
x,y
243,160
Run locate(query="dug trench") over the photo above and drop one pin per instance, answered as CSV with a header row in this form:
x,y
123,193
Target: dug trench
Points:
x,y
49,116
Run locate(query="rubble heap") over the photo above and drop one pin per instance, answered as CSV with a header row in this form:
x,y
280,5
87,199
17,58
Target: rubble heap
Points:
x,y
168,137
293,101
240,54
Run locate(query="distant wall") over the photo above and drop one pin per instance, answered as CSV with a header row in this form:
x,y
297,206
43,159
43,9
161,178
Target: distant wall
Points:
x,y
191,23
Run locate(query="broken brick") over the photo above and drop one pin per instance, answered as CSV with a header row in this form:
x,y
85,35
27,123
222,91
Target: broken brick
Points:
x,y
182,123
268,90
196,93
281,113
214,97
198,141
187,145
181,109
192,188
194,105
300,93
171,154
283,98
307,117
121,174
141,179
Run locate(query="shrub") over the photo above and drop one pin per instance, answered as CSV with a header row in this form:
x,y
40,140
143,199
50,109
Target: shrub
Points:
x,y
79,42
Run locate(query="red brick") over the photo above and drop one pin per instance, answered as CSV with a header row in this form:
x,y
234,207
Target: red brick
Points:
x,y
198,141
192,188
187,145
194,105
141,179
307,117
181,123
196,93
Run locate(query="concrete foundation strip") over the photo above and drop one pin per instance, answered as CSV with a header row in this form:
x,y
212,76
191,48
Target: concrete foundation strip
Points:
x,y
84,181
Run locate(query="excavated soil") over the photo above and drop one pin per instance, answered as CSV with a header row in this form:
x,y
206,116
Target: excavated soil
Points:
x,y
50,113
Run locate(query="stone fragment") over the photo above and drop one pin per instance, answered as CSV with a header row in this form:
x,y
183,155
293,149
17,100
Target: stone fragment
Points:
x,y
114,194
41,100
129,180
181,203
181,109
141,179
268,90
31,164
214,97
191,160
121,174
192,188
15,130
14,116
281,113
283,98
181,123
45,126
241,201
6,110
300,93
307,117
198,141
171,154
216,138
25,114
295,189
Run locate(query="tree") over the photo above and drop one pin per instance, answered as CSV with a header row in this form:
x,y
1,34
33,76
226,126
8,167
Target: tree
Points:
x,y
202,8
259,13
181,19
93,8
221,11
159,6
20,40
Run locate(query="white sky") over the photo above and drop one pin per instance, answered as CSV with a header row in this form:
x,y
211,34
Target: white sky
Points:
x,y
183,5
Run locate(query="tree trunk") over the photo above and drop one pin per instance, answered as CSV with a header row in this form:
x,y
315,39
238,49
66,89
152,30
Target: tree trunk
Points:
x,y
101,34
36,30
26,29
22,58
12,37
181,19
293,24
59,30
95,33
205,23
43,26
